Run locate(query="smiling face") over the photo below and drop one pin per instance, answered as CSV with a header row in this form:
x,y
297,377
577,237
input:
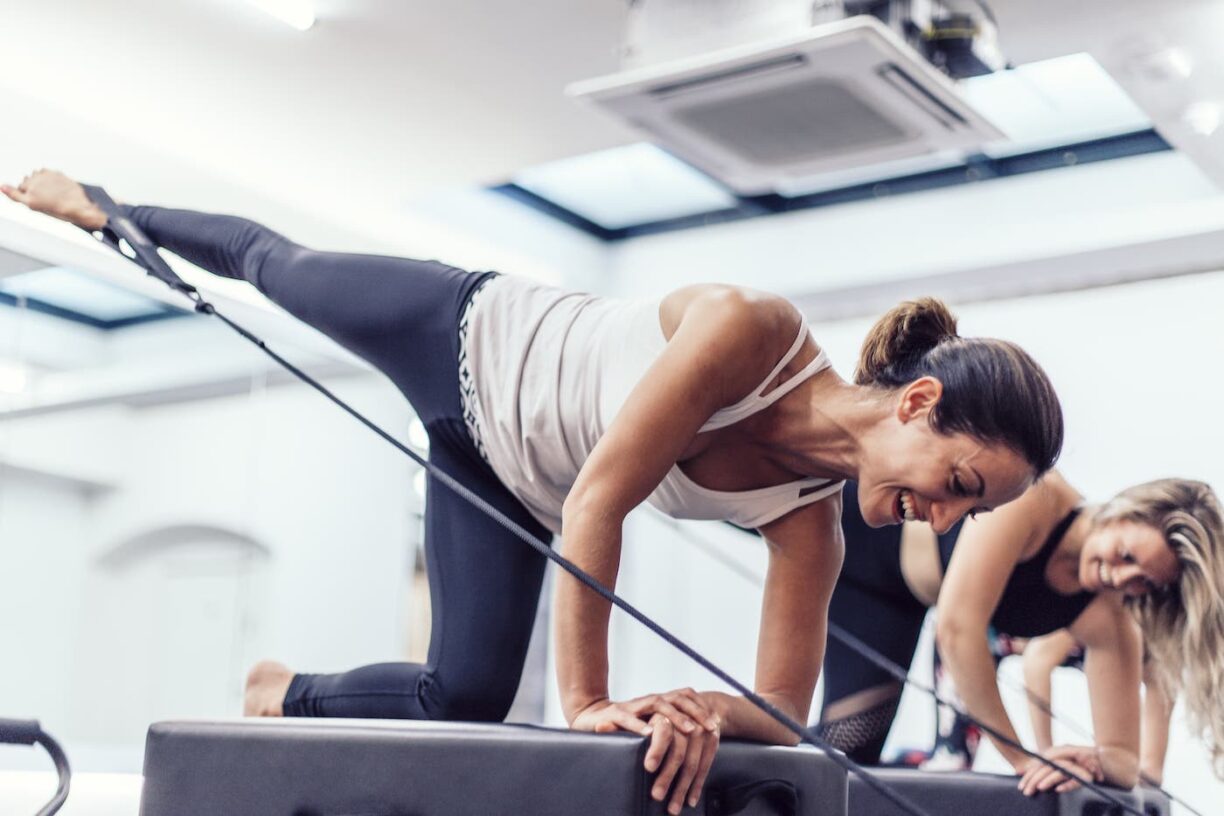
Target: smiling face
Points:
x,y
1127,556
910,471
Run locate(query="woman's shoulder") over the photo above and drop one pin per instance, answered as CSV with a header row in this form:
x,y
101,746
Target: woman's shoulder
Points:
x,y
746,313
1043,507
1103,622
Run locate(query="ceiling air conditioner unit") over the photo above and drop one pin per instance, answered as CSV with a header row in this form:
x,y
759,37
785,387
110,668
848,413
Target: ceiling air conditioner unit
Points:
x,y
757,117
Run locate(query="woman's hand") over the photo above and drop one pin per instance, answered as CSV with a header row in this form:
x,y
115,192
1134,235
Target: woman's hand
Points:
x,y
684,733
683,759
1081,760
52,193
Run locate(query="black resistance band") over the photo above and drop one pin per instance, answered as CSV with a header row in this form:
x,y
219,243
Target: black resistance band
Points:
x,y
130,241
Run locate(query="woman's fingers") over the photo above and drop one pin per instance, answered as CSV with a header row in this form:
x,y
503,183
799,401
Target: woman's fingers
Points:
x,y
678,718
604,717
1066,780
1050,780
659,743
1032,768
1033,777
681,706
691,704
709,747
688,771
703,772
671,766
627,721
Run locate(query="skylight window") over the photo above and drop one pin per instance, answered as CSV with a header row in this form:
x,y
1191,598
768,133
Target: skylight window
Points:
x,y
1054,112
79,296
1052,102
624,186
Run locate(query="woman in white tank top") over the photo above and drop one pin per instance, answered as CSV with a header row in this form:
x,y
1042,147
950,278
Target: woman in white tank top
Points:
x,y
933,427
566,411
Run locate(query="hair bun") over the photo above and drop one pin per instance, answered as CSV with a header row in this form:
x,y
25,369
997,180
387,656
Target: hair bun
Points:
x,y
903,335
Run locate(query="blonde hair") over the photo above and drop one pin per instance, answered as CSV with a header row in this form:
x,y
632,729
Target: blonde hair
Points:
x,y
1183,624
992,389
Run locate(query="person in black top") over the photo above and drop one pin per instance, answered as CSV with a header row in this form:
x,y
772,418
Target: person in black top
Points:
x,y
1037,565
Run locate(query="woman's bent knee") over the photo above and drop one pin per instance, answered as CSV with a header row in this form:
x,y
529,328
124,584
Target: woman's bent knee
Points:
x,y
468,702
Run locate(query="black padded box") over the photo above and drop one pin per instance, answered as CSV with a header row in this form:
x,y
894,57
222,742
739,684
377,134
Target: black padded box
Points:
x,y
301,767
991,794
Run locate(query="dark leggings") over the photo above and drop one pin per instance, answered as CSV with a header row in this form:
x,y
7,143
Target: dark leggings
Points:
x,y
873,603
402,316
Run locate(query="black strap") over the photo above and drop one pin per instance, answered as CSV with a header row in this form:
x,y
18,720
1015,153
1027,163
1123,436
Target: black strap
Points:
x,y
120,231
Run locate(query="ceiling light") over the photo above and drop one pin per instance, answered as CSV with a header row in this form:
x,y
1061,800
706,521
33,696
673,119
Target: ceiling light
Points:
x,y
1162,64
1203,117
297,13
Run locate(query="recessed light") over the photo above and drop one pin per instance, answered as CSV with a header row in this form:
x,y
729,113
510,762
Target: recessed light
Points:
x,y
296,13
1203,116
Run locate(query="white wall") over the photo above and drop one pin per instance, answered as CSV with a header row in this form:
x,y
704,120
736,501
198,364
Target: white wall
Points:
x,y
100,643
43,527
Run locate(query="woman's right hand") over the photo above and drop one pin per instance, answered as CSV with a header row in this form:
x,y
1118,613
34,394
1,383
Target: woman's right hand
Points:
x,y
1081,760
55,194
684,735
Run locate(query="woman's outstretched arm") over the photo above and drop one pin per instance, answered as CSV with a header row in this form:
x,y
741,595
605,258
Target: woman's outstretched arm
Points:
x,y
1041,656
1113,657
806,549
1154,735
986,554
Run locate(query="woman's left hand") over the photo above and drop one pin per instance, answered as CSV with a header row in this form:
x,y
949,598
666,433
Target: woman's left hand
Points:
x,y
683,761
1081,760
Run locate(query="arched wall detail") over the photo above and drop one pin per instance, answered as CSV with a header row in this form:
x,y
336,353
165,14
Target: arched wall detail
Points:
x,y
133,548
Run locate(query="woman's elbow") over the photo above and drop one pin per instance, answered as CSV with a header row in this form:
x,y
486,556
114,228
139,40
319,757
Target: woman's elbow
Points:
x,y
1125,780
953,636
576,509
1120,766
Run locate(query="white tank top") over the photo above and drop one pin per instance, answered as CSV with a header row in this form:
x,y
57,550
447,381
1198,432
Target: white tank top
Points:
x,y
550,370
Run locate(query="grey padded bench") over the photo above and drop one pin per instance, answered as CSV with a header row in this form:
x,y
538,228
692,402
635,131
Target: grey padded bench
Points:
x,y
302,767
991,795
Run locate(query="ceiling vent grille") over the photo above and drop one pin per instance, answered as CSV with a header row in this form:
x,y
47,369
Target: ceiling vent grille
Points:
x,y
758,117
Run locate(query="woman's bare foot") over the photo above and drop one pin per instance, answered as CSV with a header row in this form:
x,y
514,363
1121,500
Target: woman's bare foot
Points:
x,y
53,193
266,685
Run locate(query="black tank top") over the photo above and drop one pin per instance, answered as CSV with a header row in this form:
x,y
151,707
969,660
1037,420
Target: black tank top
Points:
x,y
1029,606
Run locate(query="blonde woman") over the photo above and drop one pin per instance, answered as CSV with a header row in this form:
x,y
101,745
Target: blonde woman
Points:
x,y
1147,567
565,411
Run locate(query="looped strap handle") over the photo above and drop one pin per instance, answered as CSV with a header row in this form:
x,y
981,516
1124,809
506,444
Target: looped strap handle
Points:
x,y
781,795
